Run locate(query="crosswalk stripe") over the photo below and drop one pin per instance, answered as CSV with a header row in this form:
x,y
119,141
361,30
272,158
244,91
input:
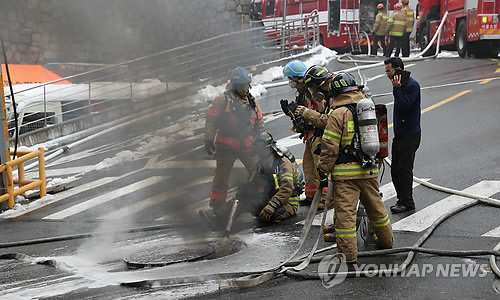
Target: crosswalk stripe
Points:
x,y
63,195
105,198
493,233
151,201
423,219
388,191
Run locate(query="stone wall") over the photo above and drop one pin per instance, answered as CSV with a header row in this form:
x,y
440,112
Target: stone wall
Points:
x,y
109,31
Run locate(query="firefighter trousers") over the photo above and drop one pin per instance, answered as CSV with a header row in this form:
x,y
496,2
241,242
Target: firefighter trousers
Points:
x,y
394,41
405,45
310,166
225,160
347,193
376,39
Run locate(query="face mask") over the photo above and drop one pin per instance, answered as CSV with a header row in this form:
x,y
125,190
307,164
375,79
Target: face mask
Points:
x,y
243,90
292,84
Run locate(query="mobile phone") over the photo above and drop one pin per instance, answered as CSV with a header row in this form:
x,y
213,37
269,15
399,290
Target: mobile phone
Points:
x,y
404,76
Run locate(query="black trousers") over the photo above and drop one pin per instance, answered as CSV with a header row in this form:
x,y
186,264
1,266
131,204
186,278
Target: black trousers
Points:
x,y
403,158
376,39
394,40
405,45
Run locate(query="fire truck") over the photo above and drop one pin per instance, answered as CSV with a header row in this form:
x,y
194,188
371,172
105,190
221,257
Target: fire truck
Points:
x,y
341,22
471,26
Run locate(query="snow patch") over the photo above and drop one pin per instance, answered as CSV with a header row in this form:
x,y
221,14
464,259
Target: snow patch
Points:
x,y
448,54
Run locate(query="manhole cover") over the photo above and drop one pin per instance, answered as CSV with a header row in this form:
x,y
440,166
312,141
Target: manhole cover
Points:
x,y
162,256
159,256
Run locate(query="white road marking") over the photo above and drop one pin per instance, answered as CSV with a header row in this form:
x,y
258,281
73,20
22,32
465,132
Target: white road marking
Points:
x,y
493,233
290,140
189,164
151,201
423,219
63,195
70,211
388,191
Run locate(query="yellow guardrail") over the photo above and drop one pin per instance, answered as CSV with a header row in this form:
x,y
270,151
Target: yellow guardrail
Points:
x,y
23,184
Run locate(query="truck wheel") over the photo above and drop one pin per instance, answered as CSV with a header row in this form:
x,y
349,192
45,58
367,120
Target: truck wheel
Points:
x,y
461,39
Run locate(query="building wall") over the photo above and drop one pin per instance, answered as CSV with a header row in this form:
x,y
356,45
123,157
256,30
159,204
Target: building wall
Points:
x,y
109,31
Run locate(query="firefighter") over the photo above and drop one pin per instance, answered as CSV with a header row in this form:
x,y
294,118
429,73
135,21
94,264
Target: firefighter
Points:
x,y
351,180
405,40
274,187
379,29
295,72
233,120
396,27
316,80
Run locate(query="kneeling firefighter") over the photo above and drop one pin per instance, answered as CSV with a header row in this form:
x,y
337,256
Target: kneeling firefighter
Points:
x,y
348,154
273,189
233,120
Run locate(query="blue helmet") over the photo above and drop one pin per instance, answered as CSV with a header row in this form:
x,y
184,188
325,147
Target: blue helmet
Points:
x,y
295,70
240,76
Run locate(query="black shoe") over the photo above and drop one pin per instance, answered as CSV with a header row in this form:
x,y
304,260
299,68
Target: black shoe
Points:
x,y
305,202
401,208
398,203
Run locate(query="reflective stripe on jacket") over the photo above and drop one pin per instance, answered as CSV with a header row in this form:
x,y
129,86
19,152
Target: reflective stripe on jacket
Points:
x,y
396,25
380,26
410,18
338,135
230,127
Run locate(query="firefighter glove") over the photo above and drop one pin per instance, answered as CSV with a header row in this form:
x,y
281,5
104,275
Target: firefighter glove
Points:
x,y
292,107
299,111
209,147
285,108
266,213
323,179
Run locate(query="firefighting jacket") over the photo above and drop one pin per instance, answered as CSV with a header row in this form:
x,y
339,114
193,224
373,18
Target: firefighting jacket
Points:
x,y
282,176
410,18
234,122
338,135
396,25
380,26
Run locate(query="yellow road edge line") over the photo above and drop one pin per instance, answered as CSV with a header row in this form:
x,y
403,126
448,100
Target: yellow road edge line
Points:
x,y
498,70
485,81
441,103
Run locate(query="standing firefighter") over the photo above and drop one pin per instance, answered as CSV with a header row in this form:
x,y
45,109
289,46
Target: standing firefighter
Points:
x,y
396,28
233,121
379,29
316,80
355,173
295,72
410,19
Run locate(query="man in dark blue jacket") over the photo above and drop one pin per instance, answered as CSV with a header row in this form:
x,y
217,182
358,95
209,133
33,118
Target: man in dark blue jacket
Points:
x,y
407,132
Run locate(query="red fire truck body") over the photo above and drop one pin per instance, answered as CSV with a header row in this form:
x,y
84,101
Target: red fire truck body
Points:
x,y
341,22
471,26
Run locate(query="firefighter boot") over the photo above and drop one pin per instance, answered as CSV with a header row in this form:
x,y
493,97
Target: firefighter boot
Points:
x,y
330,237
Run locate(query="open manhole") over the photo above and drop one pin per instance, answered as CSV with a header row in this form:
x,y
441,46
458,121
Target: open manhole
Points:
x,y
164,255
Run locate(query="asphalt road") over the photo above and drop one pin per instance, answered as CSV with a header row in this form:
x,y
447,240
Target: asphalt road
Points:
x,y
156,172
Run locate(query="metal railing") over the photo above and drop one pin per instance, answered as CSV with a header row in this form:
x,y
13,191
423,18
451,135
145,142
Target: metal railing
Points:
x,y
203,62
23,183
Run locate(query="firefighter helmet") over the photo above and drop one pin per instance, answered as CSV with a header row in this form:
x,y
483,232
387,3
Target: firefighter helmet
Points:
x,y
342,83
316,76
405,2
398,6
295,70
240,76
264,139
380,6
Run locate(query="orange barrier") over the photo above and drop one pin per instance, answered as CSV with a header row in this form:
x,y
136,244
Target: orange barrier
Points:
x,y
24,184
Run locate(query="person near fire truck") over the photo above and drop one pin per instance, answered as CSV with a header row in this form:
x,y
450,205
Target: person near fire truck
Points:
x,y
233,121
316,82
295,71
352,180
379,29
410,20
396,27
